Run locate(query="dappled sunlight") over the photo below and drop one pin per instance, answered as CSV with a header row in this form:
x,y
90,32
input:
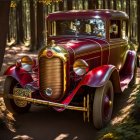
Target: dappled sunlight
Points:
x,y
137,80
65,136
11,42
124,114
75,138
1,84
61,137
22,137
6,118
127,109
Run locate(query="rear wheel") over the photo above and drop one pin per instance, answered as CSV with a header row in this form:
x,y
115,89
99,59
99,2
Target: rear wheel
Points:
x,y
103,105
14,105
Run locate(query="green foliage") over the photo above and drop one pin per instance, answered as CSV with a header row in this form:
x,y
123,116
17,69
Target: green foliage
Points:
x,y
129,130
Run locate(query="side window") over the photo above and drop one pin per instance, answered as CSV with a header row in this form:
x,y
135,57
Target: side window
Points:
x,y
115,26
124,29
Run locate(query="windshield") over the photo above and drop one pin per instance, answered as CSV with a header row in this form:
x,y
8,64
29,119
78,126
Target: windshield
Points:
x,y
78,27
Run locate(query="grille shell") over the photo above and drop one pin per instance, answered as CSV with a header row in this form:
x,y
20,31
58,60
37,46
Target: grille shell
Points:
x,y
51,76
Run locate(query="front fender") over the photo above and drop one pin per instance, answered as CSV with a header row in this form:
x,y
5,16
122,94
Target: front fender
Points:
x,y
22,76
98,76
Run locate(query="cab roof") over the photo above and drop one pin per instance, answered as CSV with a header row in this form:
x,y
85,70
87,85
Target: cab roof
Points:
x,y
86,14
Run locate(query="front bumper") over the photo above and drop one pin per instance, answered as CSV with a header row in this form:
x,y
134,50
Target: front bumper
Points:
x,y
25,95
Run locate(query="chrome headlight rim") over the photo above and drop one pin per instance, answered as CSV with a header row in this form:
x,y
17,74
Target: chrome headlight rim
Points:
x,y
80,67
25,62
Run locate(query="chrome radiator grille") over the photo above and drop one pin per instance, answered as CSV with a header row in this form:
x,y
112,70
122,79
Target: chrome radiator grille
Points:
x,y
51,76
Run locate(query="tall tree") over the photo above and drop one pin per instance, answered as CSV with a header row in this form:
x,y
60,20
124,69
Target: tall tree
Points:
x,y
37,20
19,22
61,6
33,26
138,4
91,4
40,27
4,14
69,4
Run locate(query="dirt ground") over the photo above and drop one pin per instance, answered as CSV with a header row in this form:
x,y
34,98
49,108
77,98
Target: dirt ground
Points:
x,y
42,123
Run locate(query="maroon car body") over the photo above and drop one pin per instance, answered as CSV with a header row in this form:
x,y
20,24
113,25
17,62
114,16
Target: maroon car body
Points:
x,y
88,58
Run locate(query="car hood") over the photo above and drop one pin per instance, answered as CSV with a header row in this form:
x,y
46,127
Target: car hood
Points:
x,y
81,46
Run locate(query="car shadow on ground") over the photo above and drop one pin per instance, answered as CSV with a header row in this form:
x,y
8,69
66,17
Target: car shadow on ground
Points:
x,y
46,124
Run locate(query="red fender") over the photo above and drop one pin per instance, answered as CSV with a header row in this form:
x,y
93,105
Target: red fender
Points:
x,y
131,60
128,70
22,76
97,77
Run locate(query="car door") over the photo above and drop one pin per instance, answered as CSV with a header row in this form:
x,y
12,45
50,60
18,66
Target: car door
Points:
x,y
117,44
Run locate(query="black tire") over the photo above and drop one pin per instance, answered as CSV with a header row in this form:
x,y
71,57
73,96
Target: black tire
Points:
x,y
10,104
103,105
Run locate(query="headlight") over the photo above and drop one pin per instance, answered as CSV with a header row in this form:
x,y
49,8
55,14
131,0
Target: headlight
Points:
x,y
80,67
25,62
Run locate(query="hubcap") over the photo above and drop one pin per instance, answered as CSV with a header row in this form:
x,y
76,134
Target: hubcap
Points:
x,y
107,105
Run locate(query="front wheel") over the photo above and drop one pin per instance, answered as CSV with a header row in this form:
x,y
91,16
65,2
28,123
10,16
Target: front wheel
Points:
x,y
14,105
103,105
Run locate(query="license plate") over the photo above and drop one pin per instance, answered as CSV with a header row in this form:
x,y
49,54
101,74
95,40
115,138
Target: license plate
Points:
x,y
22,92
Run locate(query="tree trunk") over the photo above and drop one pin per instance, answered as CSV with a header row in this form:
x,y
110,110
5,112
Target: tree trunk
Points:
x,y
91,4
33,26
4,14
19,23
138,3
40,27
115,5
61,6
69,5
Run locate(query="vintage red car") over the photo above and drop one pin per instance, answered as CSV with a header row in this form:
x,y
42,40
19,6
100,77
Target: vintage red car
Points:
x,y
88,59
